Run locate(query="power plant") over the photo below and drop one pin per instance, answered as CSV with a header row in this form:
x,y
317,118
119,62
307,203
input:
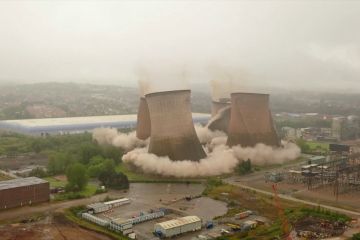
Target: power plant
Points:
x,y
251,121
172,128
143,125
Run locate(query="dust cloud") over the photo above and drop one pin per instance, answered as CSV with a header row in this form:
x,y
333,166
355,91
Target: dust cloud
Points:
x,y
220,160
111,136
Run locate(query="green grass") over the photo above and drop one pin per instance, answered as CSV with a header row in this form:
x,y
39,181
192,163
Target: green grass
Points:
x,y
71,215
314,145
147,178
54,183
89,191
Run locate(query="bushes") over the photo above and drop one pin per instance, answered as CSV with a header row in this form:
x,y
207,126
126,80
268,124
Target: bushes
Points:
x,y
325,214
356,236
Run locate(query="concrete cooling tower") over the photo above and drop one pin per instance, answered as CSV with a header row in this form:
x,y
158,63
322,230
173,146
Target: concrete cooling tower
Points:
x,y
216,106
172,129
143,125
251,121
220,122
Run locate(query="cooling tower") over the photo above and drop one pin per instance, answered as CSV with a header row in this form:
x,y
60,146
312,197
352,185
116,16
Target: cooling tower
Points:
x,y
143,125
220,121
216,106
172,129
251,121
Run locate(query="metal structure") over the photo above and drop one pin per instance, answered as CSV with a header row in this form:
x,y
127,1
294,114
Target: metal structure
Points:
x,y
143,125
172,128
251,121
340,173
23,191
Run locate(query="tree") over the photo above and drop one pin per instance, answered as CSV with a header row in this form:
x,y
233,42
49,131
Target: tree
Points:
x,y
88,151
77,177
58,162
305,148
244,167
38,172
109,151
356,236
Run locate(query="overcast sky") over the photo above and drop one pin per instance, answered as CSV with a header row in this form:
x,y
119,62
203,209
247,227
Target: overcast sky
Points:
x,y
294,44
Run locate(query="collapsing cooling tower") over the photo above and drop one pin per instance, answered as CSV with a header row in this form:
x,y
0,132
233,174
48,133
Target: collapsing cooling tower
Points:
x,y
251,121
143,125
216,106
172,129
220,122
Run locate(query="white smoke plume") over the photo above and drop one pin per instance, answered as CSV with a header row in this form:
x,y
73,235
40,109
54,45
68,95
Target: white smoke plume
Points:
x,y
205,135
220,160
111,136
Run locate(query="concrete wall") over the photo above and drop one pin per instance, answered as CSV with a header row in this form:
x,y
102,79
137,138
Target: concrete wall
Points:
x,y
172,129
216,106
251,121
143,126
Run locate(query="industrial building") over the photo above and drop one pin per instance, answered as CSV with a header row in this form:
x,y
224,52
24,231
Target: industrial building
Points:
x,y
55,126
251,121
105,206
177,226
172,128
23,191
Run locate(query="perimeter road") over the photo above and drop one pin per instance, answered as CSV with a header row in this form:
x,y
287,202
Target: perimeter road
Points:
x,y
289,198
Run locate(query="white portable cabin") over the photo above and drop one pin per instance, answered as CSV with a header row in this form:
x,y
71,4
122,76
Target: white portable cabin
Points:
x,y
117,202
178,226
96,220
97,208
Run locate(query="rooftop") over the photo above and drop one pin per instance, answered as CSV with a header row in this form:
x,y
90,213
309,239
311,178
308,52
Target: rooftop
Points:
x,y
79,120
179,222
20,182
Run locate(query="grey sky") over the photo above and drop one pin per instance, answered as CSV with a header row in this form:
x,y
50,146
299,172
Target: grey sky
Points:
x,y
296,44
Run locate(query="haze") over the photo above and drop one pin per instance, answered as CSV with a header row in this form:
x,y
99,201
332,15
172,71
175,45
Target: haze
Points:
x,y
297,45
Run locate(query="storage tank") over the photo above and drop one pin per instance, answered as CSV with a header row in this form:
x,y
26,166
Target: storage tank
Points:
x,y
172,128
251,121
143,125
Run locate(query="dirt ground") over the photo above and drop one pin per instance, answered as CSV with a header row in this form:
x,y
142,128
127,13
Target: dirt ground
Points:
x,y
53,227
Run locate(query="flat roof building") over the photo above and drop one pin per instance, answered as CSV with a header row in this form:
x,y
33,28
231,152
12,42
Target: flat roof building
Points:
x,y
71,125
23,191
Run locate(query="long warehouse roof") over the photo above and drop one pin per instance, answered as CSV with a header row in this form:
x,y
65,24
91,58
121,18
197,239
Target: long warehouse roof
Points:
x,y
79,120
20,182
73,124
179,222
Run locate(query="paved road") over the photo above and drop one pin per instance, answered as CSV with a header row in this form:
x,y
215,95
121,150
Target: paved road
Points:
x,y
47,207
285,197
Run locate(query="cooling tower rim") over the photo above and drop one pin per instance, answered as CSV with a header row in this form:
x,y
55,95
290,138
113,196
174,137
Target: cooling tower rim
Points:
x,y
166,92
249,93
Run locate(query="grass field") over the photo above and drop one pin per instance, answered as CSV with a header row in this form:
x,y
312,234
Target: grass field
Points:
x,y
89,191
323,147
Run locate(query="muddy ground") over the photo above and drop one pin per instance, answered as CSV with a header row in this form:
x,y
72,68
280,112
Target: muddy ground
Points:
x,y
52,227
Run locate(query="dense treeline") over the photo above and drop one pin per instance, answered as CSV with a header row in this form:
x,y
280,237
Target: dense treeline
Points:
x,y
74,155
